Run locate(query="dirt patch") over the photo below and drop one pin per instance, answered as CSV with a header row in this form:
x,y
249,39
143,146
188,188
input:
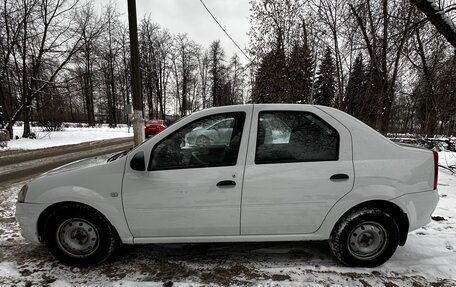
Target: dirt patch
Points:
x,y
443,283
166,271
280,277
236,274
438,218
7,220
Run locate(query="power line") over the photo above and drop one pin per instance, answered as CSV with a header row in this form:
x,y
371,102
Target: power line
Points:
x,y
223,29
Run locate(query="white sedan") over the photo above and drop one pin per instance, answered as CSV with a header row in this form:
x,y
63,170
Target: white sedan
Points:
x,y
288,172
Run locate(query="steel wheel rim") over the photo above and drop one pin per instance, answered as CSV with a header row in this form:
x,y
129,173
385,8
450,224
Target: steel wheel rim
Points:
x,y
78,237
367,240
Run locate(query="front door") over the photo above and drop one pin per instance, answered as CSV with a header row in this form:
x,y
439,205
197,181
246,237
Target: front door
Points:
x,y
192,186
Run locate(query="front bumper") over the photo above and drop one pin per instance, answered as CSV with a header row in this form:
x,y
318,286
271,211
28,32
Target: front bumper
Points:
x,y
419,207
27,215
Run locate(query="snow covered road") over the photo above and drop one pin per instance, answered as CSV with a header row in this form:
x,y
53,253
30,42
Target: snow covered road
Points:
x,y
20,164
427,259
70,135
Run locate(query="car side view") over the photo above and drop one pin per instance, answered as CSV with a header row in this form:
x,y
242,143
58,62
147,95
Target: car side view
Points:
x,y
268,172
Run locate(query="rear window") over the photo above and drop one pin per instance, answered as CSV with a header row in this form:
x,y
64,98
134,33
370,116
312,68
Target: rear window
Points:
x,y
159,122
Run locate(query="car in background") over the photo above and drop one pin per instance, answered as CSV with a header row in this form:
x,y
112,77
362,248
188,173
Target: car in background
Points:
x,y
274,172
215,133
153,127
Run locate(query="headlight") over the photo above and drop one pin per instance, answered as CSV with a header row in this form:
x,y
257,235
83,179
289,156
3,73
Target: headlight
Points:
x,y
22,194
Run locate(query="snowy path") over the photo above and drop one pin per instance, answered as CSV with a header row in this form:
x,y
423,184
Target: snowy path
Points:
x,y
428,258
68,136
17,164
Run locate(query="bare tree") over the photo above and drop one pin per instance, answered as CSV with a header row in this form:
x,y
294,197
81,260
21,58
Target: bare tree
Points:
x,y
45,49
186,64
439,17
333,14
91,26
110,55
384,42
203,67
124,71
10,33
236,78
62,55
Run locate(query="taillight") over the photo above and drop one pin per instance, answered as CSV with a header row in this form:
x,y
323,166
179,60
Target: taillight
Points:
x,y
436,168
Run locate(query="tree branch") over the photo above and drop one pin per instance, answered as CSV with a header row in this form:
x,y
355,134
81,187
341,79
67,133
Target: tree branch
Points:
x,y
438,18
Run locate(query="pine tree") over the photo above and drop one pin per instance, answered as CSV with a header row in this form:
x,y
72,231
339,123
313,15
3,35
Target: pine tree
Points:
x,y
217,74
300,67
326,83
356,88
271,80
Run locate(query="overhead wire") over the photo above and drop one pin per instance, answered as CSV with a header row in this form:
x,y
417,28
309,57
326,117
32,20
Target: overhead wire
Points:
x,y
223,29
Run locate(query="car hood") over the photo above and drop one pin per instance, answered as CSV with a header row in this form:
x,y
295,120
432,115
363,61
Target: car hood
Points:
x,y
83,163
86,181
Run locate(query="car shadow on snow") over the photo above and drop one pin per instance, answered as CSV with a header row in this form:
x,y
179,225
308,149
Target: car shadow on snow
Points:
x,y
250,252
219,263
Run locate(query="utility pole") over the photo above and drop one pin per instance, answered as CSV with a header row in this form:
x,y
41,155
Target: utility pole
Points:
x,y
137,119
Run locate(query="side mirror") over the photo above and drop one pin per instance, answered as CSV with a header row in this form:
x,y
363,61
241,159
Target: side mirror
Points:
x,y
137,162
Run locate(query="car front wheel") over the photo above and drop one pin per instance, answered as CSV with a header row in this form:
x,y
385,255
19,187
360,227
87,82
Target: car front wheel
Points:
x,y
77,235
367,237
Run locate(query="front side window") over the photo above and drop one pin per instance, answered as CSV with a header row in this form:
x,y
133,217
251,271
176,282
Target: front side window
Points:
x,y
209,141
294,137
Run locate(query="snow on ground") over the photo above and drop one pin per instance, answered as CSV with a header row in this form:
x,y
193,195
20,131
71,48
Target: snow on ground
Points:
x,y
427,259
447,158
70,135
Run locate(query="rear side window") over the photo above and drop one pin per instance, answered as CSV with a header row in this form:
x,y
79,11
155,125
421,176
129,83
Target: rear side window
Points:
x,y
294,137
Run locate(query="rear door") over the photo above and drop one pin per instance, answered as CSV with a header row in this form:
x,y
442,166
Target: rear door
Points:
x,y
299,164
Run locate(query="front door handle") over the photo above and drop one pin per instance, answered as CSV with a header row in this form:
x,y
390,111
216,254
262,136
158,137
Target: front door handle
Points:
x,y
339,177
226,183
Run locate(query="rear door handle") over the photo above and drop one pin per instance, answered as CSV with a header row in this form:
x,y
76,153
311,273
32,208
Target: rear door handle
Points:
x,y
226,183
339,177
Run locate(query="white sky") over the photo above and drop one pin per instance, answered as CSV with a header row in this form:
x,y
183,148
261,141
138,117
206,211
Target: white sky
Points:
x,y
189,16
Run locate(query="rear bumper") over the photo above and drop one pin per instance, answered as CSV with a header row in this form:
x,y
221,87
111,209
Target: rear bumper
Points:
x,y
27,215
418,207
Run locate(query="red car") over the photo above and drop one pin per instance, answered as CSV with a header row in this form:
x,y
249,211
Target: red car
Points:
x,y
153,127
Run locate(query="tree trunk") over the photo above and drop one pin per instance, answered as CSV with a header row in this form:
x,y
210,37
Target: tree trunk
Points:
x,y
25,110
113,109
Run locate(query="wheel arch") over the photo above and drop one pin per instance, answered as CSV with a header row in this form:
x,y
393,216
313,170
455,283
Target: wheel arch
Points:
x,y
394,210
42,218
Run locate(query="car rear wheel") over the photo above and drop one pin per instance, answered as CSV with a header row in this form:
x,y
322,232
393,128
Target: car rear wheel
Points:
x,y
77,235
367,237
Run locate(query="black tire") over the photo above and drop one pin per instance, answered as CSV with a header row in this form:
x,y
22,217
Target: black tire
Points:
x,y
366,237
77,235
